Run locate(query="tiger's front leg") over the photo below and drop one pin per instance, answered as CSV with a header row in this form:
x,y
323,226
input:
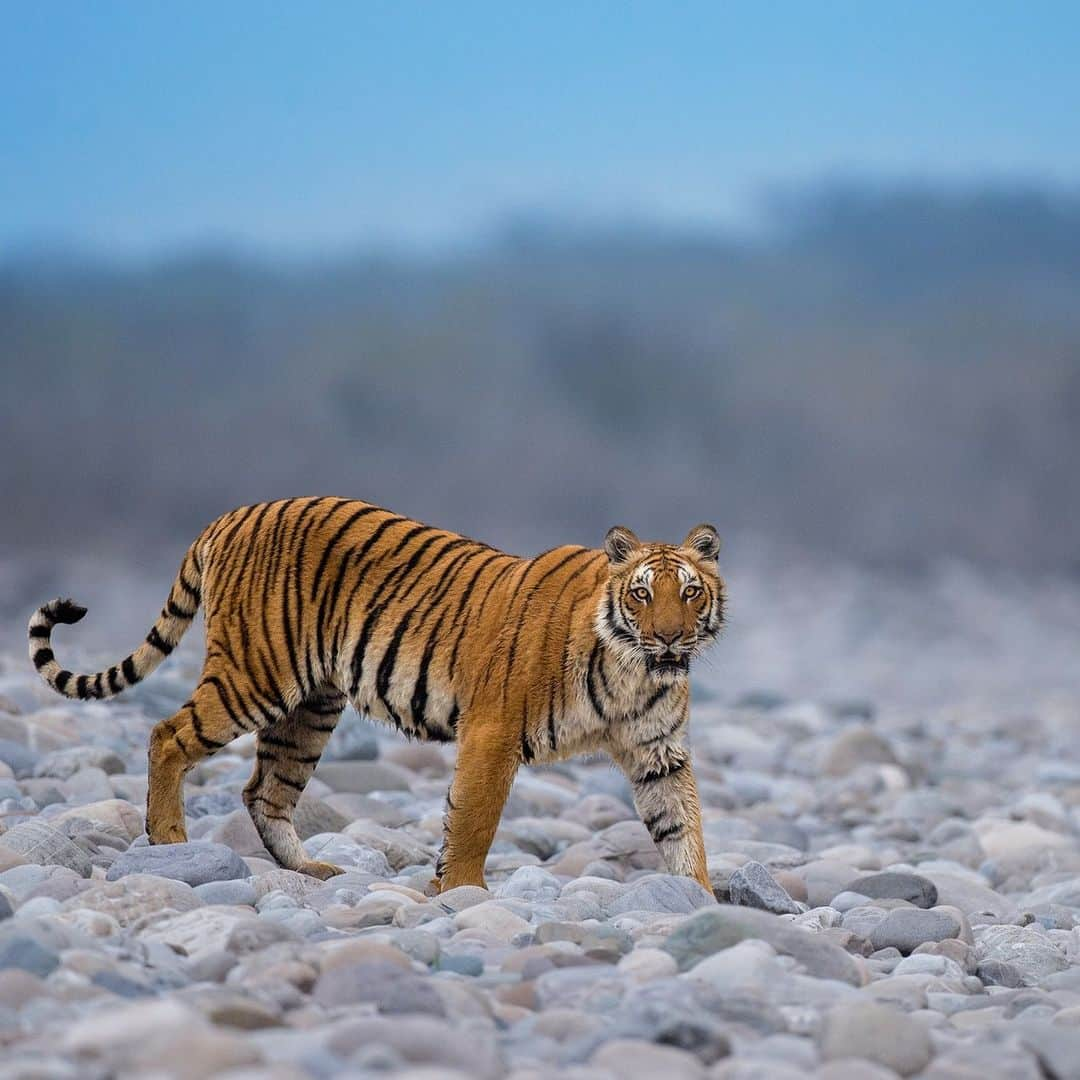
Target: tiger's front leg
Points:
x,y
488,757
666,798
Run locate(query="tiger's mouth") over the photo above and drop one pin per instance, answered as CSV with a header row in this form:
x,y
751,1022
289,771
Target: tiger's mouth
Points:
x,y
667,663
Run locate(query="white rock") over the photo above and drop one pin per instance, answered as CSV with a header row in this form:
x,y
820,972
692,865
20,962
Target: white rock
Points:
x,y
155,1036
117,813
929,964
530,883
845,901
877,1033
646,963
197,932
134,897
1001,839
492,918
1028,948
347,853
635,1059
744,966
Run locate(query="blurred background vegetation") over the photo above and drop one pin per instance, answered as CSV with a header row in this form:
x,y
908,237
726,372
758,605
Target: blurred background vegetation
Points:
x,y
886,374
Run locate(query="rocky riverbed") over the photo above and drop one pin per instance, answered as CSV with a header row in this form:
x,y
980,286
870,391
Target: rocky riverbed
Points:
x,y
898,887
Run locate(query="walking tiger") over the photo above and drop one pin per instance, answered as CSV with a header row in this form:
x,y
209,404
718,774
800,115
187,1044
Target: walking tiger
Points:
x,y
314,603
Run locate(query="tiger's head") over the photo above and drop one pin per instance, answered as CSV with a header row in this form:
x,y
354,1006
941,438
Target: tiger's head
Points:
x,y
663,603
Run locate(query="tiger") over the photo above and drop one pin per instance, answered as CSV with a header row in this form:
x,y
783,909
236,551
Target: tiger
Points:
x,y
311,604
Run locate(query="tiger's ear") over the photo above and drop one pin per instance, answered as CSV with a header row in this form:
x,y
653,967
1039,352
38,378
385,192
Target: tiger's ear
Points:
x,y
620,543
704,541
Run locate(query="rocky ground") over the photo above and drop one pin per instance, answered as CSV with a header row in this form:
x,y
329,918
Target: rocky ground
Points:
x,y
899,895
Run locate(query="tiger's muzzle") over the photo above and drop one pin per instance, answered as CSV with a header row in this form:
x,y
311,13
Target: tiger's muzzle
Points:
x,y
668,655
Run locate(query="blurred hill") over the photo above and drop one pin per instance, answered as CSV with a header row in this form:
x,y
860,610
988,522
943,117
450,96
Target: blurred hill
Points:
x,y
887,375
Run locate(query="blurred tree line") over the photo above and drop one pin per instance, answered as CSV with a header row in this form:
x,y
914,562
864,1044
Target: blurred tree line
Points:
x,y
890,375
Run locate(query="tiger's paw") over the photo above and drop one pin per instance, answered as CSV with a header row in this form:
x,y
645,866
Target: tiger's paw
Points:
x,y
448,881
321,870
175,834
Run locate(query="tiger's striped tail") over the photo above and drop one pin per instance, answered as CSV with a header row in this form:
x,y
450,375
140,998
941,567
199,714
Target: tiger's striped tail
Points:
x,y
173,622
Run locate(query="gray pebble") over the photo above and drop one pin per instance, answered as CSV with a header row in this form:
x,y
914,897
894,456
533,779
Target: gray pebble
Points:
x,y
64,764
897,885
720,927
908,928
235,891
661,892
29,954
41,843
388,987
753,886
212,803
461,963
20,758
1028,950
347,853
38,905
353,740
846,900
192,863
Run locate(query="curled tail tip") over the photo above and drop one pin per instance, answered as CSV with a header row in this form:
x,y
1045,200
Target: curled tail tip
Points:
x,y
64,611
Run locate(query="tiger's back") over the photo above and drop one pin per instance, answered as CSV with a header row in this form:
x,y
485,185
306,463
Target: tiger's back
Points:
x,y
311,592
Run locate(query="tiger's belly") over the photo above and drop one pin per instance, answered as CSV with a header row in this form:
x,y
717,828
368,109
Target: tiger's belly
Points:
x,y
410,699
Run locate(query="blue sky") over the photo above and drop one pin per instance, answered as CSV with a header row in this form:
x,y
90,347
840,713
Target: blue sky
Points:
x,y
305,127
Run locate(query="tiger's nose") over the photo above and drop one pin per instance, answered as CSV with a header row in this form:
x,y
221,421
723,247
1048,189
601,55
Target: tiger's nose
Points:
x,y
668,638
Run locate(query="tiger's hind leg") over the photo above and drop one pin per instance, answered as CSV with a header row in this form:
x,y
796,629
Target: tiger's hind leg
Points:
x,y
206,723
288,751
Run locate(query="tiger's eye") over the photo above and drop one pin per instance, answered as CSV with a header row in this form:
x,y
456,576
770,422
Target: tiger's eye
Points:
x,y
691,591
640,594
